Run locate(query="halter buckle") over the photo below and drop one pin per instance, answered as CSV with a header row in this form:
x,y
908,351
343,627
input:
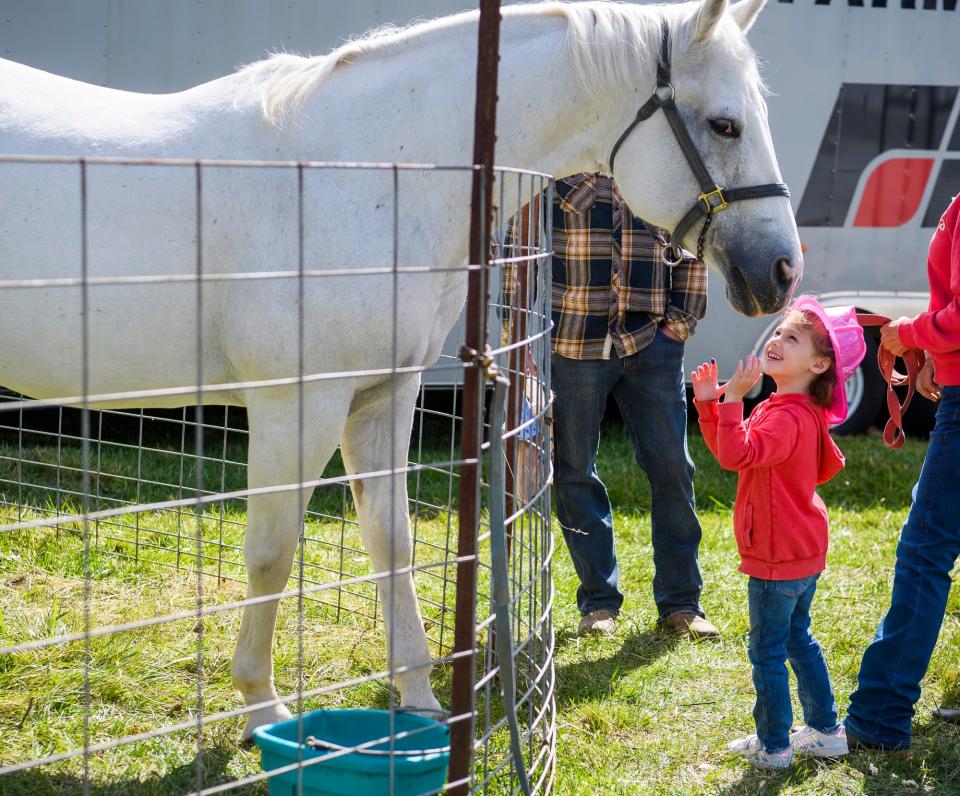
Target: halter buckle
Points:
x,y
714,201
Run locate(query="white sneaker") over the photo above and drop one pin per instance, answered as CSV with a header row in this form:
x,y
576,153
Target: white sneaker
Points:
x,y
808,741
752,749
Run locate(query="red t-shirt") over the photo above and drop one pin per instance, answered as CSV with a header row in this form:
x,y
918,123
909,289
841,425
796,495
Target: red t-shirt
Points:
x,y
938,329
782,452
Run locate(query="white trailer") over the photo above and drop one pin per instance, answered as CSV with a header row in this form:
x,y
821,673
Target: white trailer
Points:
x,y
863,111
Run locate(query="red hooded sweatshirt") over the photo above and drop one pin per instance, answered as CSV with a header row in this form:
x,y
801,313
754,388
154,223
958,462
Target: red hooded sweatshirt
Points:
x,y
938,330
782,452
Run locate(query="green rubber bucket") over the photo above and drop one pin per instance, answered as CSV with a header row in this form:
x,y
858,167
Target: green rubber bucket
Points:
x,y
414,764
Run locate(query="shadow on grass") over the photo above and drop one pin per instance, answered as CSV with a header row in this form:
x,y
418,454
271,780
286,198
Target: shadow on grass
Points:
x,y
754,781
589,679
950,698
182,779
931,766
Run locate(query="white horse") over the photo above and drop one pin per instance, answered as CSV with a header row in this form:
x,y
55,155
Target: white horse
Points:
x,y
571,79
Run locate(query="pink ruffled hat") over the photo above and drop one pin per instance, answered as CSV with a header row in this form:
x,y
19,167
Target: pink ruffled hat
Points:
x,y
849,347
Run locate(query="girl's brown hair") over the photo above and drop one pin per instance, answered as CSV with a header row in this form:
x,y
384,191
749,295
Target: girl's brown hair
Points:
x,y
823,385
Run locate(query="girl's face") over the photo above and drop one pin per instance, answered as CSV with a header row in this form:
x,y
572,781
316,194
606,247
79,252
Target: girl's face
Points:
x,y
791,356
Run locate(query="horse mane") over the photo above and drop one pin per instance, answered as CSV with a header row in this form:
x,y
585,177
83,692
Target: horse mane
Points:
x,y
610,43
286,81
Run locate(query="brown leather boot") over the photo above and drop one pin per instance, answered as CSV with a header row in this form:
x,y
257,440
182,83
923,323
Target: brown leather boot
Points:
x,y
691,624
598,623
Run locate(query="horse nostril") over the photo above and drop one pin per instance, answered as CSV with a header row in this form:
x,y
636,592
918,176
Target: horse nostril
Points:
x,y
784,270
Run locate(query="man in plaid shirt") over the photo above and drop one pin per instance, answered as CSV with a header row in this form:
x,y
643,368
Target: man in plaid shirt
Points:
x,y
620,317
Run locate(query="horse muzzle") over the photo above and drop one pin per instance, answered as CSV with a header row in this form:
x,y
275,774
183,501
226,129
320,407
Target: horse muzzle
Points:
x,y
761,282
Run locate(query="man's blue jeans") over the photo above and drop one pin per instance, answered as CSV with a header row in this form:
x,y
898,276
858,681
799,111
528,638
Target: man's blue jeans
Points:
x,y
780,631
649,389
896,660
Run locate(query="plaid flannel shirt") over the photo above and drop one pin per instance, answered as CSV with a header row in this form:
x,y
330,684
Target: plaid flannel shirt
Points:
x,y
611,288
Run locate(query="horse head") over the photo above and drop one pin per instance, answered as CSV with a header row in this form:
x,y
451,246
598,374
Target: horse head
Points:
x,y
711,107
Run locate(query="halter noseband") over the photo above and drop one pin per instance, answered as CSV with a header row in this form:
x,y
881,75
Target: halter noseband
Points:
x,y
712,198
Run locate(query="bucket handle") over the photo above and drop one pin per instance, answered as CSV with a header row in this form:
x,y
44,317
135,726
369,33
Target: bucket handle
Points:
x,y
319,744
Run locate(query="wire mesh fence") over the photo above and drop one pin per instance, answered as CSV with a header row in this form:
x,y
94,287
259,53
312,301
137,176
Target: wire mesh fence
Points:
x,y
130,487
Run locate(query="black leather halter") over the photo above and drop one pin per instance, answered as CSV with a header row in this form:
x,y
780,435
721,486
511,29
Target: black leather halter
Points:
x,y
713,198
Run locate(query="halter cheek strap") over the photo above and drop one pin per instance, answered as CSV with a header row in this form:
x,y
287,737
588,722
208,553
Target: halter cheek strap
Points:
x,y
712,198
662,93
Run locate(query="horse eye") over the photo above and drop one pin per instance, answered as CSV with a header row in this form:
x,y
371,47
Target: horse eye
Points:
x,y
727,128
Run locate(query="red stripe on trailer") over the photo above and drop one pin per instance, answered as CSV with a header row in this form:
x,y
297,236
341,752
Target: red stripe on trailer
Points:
x,y
893,192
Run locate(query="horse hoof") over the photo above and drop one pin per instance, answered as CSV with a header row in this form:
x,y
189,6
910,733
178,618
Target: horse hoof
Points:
x,y
263,717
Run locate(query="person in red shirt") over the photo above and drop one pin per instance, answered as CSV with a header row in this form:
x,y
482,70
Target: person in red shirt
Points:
x,y
888,684
782,452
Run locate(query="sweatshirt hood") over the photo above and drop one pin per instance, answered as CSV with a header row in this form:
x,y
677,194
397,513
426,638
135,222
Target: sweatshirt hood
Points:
x,y
830,460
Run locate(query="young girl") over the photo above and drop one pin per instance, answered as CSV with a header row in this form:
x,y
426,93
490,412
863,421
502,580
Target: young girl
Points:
x,y
782,452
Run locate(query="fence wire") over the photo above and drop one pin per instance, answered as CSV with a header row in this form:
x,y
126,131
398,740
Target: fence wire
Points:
x,y
123,511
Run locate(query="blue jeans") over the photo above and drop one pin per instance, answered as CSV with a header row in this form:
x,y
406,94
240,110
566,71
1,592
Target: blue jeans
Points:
x,y
896,660
780,631
649,389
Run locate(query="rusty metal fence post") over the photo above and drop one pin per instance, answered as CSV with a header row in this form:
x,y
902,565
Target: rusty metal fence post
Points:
x,y
481,211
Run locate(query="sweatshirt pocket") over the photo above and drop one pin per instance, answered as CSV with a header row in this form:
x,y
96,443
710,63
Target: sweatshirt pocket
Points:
x,y
804,538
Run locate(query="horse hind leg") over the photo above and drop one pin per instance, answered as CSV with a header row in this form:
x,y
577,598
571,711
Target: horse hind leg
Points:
x,y
273,526
377,437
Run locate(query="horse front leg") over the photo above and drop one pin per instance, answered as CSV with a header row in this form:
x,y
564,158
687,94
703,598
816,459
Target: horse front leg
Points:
x,y
273,526
377,437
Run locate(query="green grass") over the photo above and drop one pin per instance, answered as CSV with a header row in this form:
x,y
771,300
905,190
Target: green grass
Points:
x,y
145,679
645,713
639,713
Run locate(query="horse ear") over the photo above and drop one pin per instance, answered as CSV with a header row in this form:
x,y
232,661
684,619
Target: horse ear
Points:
x,y
707,18
745,12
